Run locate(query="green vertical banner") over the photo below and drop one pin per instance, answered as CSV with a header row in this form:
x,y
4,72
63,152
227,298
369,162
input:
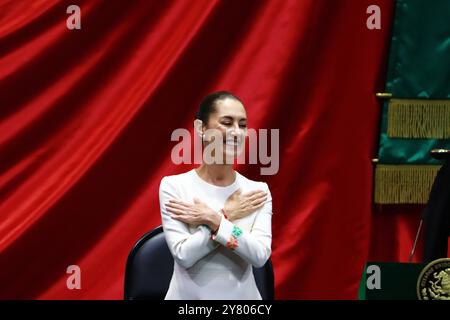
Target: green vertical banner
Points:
x,y
416,112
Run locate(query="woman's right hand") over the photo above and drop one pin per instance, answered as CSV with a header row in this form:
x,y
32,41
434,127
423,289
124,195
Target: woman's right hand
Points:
x,y
240,205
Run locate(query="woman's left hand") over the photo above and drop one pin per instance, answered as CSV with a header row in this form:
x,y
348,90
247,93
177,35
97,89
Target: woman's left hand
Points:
x,y
193,214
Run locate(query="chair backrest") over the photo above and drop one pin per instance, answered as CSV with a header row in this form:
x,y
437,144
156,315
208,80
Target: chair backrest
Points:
x,y
150,266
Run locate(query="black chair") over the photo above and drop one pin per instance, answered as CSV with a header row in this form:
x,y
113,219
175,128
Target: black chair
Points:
x,y
150,266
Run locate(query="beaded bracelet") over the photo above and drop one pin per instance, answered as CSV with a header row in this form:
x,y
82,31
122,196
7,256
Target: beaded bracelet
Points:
x,y
213,233
224,214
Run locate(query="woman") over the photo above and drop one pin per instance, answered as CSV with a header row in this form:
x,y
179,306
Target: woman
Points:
x,y
217,223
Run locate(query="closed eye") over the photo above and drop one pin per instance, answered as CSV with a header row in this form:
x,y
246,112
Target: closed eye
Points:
x,y
242,125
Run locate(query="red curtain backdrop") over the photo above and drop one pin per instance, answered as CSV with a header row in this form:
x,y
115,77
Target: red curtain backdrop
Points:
x,y
86,117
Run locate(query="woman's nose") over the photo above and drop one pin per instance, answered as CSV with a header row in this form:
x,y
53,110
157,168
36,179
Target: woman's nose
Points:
x,y
235,131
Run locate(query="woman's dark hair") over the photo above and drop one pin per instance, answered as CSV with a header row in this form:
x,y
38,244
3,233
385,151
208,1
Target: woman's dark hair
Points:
x,y
208,104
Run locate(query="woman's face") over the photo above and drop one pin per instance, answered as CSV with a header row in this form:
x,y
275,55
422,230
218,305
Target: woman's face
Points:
x,y
230,119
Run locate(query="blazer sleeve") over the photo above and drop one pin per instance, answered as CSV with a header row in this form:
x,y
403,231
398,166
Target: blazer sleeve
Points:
x,y
253,246
186,248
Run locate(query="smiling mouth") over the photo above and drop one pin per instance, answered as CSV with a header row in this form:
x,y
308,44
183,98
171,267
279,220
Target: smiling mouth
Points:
x,y
232,143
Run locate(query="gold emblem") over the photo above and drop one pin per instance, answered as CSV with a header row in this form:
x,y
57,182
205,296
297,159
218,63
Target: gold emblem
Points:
x,y
434,281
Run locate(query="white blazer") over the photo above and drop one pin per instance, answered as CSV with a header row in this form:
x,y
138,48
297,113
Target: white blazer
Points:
x,y
217,267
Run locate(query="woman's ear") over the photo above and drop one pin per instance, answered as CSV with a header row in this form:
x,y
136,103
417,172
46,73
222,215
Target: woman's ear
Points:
x,y
198,127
